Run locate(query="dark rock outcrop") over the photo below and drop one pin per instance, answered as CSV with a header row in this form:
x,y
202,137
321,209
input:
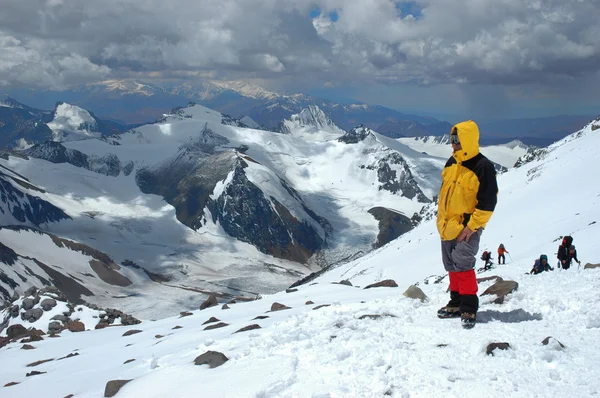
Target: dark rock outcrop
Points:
x,y
216,326
247,328
213,359
392,224
211,301
113,387
496,346
384,283
501,289
279,307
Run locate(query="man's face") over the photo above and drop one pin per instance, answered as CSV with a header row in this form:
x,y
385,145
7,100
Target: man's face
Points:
x,y
455,142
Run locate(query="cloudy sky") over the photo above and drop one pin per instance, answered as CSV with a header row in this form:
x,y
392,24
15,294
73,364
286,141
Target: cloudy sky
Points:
x,y
447,58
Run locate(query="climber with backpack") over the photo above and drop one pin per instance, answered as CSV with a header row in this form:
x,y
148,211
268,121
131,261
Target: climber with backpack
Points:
x,y
563,251
501,251
571,255
541,265
486,256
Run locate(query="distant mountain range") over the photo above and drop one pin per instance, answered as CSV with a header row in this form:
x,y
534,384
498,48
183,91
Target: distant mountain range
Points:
x,y
126,101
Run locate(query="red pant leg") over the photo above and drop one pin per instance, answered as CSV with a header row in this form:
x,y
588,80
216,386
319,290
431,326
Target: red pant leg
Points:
x,y
466,281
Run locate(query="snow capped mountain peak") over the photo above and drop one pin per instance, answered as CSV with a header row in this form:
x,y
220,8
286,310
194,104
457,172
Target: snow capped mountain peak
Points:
x,y
311,120
71,122
245,89
126,87
357,134
8,102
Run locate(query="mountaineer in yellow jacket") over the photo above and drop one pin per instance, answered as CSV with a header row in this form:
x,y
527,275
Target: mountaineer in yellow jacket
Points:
x,y
466,202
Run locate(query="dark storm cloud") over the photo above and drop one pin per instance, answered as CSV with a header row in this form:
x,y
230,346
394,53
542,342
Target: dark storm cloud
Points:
x,y
55,43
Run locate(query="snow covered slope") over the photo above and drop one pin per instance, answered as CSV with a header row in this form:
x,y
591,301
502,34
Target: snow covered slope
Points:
x,y
505,154
338,340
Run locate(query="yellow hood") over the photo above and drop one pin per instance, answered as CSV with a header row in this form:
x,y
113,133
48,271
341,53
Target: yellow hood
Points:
x,y
468,135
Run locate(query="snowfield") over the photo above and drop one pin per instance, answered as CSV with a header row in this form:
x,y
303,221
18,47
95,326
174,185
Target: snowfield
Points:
x,y
330,351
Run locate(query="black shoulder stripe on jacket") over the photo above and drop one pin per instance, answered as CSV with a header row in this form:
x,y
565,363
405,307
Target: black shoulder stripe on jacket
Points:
x,y
487,194
450,162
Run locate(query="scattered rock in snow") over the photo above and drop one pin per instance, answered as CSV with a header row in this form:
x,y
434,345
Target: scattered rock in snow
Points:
x,y
184,314
249,327
48,304
113,387
232,301
16,331
55,327
279,307
591,266
130,332
27,347
384,283
308,303
60,317
495,278
492,346
34,373
321,306
345,282
128,361
177,327
375,316
553,342
76,326
216,326
212,320
159,336
32,315
501,289
291,290
225,307
260,317
14,311
28,303
414,292
12,383
53,335
71,355
69,396
36,363
211,358
30,292
211,301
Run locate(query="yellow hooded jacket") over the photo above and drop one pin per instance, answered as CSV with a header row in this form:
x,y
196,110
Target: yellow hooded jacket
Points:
x,y
469,188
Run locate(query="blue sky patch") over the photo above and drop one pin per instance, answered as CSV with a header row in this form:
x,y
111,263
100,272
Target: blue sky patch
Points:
x,y
409,7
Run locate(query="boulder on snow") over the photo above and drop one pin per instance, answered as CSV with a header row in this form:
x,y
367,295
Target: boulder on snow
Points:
x,y
495,278
30,292
60,317
309,302
14,311
260,317
249,327
492,346
34,373
345,282
32,315
16,331
384,283
48,304
28,303
211,301
27,347
212,319
213,359
216,326
553,342
321,306
279,307
292,290
113,387
36,363
76,326
183,314
501,289
130,332
12,383
55,327
414,292
225,307
591,266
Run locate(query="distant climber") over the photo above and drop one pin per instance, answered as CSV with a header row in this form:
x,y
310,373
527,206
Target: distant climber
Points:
x,y
486,256
466,201
563,250
571,255
541,265
501,251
